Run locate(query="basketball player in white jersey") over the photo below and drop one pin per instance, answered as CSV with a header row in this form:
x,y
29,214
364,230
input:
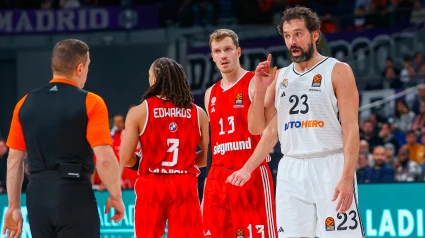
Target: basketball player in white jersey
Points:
x,y
312,107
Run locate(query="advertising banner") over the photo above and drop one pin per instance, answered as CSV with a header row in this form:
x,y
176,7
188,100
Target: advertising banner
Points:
x,y
387,210
77,20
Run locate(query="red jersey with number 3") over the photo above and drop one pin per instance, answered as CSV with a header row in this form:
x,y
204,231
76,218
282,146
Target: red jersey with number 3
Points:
x,y
169,139
232,144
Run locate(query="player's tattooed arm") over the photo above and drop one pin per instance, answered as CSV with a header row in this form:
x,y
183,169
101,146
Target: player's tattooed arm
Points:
x,y
345,89
265,146
134,124
201,156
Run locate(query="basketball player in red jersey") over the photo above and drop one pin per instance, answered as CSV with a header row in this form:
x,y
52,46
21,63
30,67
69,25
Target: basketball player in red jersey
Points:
x,y
234,211
169,127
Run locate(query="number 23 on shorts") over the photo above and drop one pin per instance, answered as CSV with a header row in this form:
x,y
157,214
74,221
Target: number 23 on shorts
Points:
x,y
343,221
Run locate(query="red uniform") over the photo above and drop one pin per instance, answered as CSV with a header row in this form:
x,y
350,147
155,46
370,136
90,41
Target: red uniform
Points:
x,y
167,187
129,176
231,211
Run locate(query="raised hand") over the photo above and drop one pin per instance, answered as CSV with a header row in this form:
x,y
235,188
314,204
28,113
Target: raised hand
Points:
x,y
263,77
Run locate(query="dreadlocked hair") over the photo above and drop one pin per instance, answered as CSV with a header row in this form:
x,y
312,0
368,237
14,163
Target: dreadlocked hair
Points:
x,y
171,83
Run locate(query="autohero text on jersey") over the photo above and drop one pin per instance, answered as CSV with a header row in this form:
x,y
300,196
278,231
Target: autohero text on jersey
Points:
x,y
304,124
232,146
171,112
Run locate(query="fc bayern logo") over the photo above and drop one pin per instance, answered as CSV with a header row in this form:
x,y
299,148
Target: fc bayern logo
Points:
x,y
173,127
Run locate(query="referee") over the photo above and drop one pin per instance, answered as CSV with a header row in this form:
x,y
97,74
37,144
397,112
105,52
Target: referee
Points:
x,y
58,127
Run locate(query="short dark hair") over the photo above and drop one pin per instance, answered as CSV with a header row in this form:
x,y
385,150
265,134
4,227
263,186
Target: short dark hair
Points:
x,y
368,121
67,54
171,83
411,132
310,18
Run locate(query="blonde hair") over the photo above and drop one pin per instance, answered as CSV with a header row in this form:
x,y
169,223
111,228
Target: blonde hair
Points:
x,y
220,34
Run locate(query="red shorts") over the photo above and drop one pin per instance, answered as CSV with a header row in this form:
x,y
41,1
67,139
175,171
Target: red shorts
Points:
x,y
167,197
247,211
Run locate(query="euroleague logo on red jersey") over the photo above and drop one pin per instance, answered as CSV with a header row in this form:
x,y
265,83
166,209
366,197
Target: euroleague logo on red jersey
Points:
x,y
239,101
173,127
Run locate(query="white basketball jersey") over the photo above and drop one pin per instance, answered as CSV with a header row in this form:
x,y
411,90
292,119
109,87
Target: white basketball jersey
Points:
x,y
307,112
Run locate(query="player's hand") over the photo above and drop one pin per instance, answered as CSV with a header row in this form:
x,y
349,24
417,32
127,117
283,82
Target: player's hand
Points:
x,y
344,192
12,223
239,178
263,77
119,208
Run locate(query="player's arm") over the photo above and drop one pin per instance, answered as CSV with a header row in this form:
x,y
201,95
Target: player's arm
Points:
x,y
134,124
207,98
262,107
15,161
267,142
99,138
201,156
206,101
15,174
345,88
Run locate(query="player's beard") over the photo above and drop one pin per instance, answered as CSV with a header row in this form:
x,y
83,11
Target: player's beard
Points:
x,y
305,55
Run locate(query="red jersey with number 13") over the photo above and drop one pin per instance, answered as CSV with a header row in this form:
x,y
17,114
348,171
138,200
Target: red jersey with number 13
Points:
x,y
169,139
232,143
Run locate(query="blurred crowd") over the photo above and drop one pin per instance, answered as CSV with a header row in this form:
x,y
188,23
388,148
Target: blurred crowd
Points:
x,y
409,74
336,15
392,149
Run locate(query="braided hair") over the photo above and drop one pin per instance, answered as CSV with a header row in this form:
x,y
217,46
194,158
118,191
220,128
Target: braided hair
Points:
x,y
171,83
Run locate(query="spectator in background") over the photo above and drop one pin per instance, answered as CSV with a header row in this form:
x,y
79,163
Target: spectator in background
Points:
x,y
360,18
420,98
419,121
364,148
328,24
416,150
419,65
129,176
407,74
374,118
390,152
381,172
185,13
406,169
387,137
392,74
369,135
403,116
203,12
418,14
362,166
3,165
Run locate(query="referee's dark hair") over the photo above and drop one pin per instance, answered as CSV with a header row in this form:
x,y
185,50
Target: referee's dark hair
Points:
x,y
67,55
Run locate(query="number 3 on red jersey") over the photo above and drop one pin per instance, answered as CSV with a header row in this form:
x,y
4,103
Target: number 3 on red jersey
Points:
x,y
174,148
231,121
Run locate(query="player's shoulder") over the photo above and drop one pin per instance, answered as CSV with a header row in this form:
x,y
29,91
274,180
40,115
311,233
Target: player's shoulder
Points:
x,y
138,111
283,69
340,67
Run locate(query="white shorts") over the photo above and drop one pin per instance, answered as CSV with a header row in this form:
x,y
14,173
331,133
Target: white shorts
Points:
x,y
304,206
